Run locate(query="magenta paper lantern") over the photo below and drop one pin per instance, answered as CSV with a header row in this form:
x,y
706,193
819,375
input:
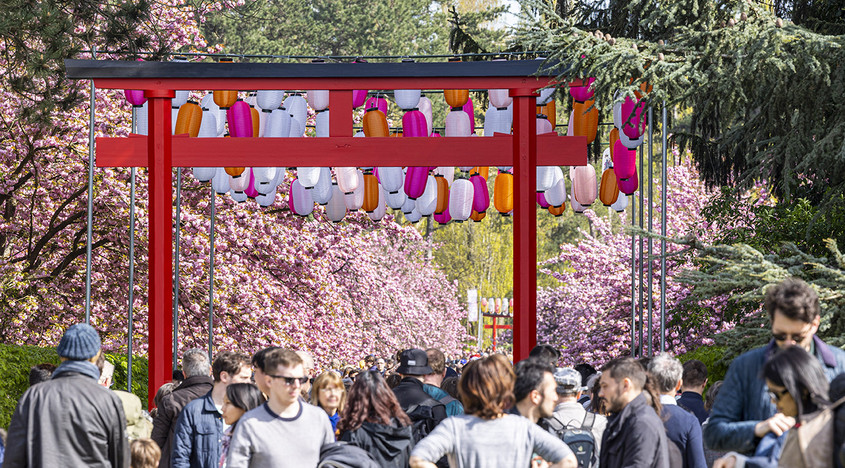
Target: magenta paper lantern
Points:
x,y
359,97
239,117
250,188
582,93
435,134
481,196
541,200
414,124
471,113
624,161
634,127
444,217
379,102
629,185
415,179
135,97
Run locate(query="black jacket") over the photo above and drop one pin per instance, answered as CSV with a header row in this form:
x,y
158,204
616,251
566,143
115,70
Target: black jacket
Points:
x,y
410,392
390,446
165,422
635,437
68,421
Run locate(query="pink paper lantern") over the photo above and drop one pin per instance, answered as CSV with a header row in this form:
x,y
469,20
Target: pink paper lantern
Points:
x,y
585,184
481,196
250,188
635,126
414,124
379,102
415,180
471,113
582,93
629,185
624,161
239,117
541,200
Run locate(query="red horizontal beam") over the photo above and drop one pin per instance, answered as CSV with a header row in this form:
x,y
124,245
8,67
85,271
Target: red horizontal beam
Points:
x,y
552,150
507,82
499,327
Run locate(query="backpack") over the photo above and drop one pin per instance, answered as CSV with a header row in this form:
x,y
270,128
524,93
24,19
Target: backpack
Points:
x,y
816,431
580,439
345,455
422,418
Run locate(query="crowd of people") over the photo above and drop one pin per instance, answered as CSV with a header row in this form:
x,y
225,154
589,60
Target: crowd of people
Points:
x,y
779,405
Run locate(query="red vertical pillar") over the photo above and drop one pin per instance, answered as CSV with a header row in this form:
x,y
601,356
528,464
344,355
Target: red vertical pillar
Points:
x,y
340,113
161,240
495,331
524,222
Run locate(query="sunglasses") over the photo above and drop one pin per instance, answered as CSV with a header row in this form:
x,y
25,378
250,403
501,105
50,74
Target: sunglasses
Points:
x,y
777,395
289,381
787,336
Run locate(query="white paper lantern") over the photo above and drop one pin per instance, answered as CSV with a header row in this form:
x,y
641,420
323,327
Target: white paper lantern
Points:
x,y
296,107
570,127
302,202
359,134
458,124
336,208
427,202
545,177
269,99
322,191
208,103
174,115
414,216
546,96
322,123
252,99
266,199
425,107
220,181
180,98
355,200
396,200
460,199
556,194
278,124
308,176
629,142
318,99
618,99
407,99
496,121
239,197
347,178
381,208
208,125
204,174
544,126
239,183
264,175
391,178
621,203
297,128
409,205
142,124
448,173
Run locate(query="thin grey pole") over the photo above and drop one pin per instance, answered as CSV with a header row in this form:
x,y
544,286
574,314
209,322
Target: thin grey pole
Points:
x,y
641,265
176,265
91,163
664,188
650,240
131,331
634,351
211,277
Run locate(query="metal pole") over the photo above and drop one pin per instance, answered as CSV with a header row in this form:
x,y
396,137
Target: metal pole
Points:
x,y
634,351
176,265
650,240
641,251
211,277
130,333
664,188
91,162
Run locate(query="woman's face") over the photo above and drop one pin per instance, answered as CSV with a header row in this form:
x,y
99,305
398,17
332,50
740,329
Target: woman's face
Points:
x,y
782,399
329,398
231,413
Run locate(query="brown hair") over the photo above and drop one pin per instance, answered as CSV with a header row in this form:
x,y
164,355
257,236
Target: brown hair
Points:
x,y
280,357
486,386
144,453
436,360
327,380
630,368
793,298
370,400
230,363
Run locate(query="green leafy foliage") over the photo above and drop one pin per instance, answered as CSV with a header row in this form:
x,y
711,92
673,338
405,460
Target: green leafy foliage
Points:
x,y
713,357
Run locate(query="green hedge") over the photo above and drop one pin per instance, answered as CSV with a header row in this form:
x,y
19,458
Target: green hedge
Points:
x,y
713,358
15,362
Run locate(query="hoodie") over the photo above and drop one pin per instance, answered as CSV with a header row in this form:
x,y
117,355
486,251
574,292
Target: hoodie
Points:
x,y
390,446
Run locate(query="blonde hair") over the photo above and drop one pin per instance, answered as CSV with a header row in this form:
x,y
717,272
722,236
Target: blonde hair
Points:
x,y
144,453
326,380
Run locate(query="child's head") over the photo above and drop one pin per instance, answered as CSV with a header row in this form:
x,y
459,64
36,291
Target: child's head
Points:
x,y
145,453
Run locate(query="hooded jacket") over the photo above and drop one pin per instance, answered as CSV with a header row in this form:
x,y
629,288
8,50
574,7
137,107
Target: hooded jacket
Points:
x,y
635,437
68,421
390,446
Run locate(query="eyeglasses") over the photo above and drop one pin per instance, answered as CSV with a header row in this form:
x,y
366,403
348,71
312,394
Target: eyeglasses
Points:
x,y
777,395
289,381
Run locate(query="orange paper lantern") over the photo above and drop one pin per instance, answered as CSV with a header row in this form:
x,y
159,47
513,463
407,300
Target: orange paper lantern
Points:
x,y
235,171
557,210
609,189
375,123
550,111
371,193
476,216
442,194
586,122
614,137
255,121
189,119
503,193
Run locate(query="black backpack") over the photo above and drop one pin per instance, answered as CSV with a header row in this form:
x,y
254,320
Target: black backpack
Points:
x,y
422,418
345,455
580,439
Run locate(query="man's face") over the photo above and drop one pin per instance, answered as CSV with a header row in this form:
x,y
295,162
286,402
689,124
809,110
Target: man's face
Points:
x,y
611,391
788,332
243,376
380,365
284,392
261,380
549,395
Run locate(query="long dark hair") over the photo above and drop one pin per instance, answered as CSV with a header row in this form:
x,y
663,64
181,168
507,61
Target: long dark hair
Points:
x,y
245,396
802,375
370,400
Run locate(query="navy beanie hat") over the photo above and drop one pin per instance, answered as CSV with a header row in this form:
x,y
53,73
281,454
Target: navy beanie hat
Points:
x,y
79,343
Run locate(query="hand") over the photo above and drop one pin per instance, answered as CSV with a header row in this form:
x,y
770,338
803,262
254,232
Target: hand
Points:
x,y
538,462
725,462
777,424
417,462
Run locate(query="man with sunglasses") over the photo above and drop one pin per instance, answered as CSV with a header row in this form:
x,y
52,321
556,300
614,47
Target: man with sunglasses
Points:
x,y
744,413
285,431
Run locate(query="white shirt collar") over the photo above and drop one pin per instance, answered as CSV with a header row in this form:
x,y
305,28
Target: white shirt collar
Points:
x,y
667,400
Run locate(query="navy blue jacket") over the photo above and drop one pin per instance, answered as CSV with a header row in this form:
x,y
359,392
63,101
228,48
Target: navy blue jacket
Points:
x,y
635,438
693,403
743,400
684,430
196,439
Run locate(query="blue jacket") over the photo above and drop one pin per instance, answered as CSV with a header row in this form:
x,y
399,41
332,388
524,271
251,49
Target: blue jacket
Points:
x,y
693,403
743,400
683,428
196,439
453,407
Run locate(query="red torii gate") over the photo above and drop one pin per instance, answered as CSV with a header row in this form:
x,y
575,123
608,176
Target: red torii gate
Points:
x,y
160,152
